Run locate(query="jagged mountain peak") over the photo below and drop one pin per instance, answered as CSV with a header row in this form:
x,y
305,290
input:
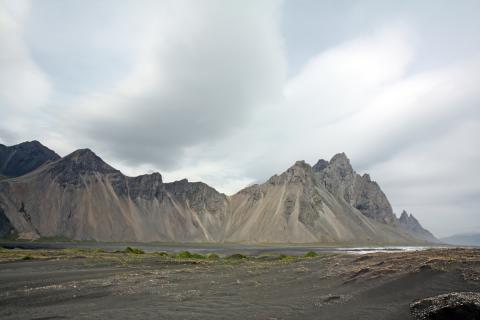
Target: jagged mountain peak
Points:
x,y
34,143
23,158
154,175
341,162
80,162
340,157
82,155
404,216
299,172
411,225
320,165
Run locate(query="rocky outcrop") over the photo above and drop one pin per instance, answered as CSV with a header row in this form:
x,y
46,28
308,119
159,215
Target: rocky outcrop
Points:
x,y
82,197
297,207
22,158
339,178
455,305
411,225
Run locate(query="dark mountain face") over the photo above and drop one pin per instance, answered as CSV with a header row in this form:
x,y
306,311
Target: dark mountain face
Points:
x,y
6,228
82,197
23,158
72,167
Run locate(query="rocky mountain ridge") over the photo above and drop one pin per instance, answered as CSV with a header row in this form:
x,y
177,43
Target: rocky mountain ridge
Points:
x,y
24,157
81,197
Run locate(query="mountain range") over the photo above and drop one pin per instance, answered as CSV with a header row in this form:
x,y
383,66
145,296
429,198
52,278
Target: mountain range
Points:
x,y
81,197
463,239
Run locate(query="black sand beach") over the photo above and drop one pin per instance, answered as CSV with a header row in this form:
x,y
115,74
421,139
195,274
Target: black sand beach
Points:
x,y
91,284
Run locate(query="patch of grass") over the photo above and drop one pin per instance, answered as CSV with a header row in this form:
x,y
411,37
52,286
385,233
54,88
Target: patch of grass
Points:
x,y
133,250
183,255
237,256
284,257
27,257
161,254
212,256
311,254
197,256
189,255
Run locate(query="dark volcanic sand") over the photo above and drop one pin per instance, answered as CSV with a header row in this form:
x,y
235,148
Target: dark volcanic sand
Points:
x,y
331,286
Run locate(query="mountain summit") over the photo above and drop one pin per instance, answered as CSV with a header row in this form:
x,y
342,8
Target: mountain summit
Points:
x,y
82,197
22,158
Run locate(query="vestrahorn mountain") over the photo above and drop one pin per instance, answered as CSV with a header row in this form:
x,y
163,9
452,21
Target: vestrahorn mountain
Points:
x,y
81,197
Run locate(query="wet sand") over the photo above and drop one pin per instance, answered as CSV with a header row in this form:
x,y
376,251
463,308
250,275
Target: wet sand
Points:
x,y
75,284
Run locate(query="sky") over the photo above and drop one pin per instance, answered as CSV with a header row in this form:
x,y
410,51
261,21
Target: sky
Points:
x,y
232,92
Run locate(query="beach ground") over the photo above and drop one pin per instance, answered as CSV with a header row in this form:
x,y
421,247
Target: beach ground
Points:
x,y
93,284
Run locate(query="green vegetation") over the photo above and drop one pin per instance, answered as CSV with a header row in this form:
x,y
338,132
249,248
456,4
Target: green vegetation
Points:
x,y
189,255
311,254
134,255
236,256
133,250
183,255
212,256
286,258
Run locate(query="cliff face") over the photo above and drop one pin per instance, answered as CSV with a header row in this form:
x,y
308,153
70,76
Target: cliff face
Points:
x,y
339,178
297,206
81,197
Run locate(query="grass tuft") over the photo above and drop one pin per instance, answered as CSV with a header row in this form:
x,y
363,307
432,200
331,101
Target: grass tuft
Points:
x,y
189,255
212,256
183,255
133,250
311,254
237,256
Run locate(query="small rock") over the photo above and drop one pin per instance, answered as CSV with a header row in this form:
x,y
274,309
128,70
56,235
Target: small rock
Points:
x,y
455,305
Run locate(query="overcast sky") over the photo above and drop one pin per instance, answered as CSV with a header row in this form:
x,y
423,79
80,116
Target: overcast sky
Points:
x,y
232,92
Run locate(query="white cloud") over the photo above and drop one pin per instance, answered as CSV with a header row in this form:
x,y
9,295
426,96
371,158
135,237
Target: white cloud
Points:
x,y
24,88
213,63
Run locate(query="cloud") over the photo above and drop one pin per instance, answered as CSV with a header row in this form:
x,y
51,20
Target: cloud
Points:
x,y
212,65
200,90
413,131
24,87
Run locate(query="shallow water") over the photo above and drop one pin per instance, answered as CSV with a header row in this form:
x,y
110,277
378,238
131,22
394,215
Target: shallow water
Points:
x,y
222,249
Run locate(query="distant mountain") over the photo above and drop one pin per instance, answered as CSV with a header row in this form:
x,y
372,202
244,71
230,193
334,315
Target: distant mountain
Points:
x,y
22,158
463,239
82,197
410,224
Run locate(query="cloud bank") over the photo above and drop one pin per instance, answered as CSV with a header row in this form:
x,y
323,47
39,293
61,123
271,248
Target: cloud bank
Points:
x,y
211,91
